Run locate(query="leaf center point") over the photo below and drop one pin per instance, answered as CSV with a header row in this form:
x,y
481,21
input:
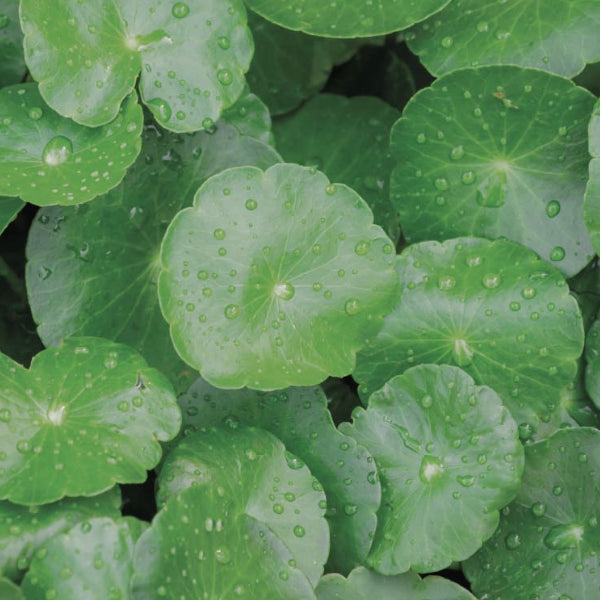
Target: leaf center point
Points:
x,y
56,416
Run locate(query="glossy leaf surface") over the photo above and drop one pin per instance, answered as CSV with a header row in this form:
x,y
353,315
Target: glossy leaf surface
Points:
x,y
560,36
548,541
23,529
359,18
47,159
103,47
85,253
496,151
89,402
446,451
94,559
494,309
200,543
346,138
274,278
9,207
300,419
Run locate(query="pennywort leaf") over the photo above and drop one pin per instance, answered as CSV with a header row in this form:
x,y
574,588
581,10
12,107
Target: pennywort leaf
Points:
x,y
12,68
89,402
445,450
494,309
48,159
274,278
103,47
10,591
592,368
9,207
592,192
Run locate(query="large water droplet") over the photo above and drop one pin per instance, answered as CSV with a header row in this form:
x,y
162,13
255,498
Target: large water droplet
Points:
x,y
462,353
160,107
553,208
430,468
57,151
232,311
180,10
225,77
285,291
557,253
299,531
564,537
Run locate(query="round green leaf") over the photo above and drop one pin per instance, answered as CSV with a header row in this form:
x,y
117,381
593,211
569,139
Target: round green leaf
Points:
x,y
274,278
446,451
300,419
87,56
258,478
198,546
83,417
359,18
92,560
12,67
558,36
592,356
289,66
9,207
9,591
47,159
494,309
548,541
84,253
362,584
496,151
315,135
592,192
23,529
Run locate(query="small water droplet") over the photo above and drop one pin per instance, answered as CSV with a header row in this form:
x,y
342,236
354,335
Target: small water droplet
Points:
x,y
161,108
352,306
468,177
299,531
362,248
232,311
251,204
491,281
447,42
538,509
222,555
180,10
223,42
441,184
512,541
553,208
225,77
557,253
219,234
457,153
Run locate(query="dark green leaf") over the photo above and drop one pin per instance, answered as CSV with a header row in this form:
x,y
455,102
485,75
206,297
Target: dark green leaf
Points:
x,y
12,67
592,356
346,138
492,308
9,207
83,417
496,151
9,591
446,451
274,278
300,419
47,159
592,192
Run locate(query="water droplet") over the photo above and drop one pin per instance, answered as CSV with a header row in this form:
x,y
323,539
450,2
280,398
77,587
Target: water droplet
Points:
x,y
350,509
514,306
553,208
457,153
466,480
362,247
222,555
251,204
180,10
512,541
219,234
278,509
285,291
538,509
468,177
528,292
35,113
564,537
430,468
421,138
447,42
557,253
446,282
441,184
299,531
426,401
557,490
232,311
223,42
224,76
5,415
57,151
491,281
462,353
23,446
352,306
161,108
482,26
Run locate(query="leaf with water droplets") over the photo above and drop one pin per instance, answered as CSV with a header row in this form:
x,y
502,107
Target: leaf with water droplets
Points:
x,y
548,542
251,117
359,18
314,134
189,75
198,547
90,403
496,151
9,207
300,419
363,584
48,159
592,357
592,192
23,529
287,277
493,308
94,559
88,252
10,591
445,449
259,479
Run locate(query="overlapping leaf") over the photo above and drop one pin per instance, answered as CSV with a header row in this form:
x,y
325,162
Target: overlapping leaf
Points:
x,y
300,419
12,68
274,278
346,138
592,192
90,402
496,151
47,159
494,309
9,207
9,591
87,55
558,36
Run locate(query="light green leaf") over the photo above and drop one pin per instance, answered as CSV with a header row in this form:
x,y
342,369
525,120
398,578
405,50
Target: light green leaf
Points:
x,y
558,36
496,151
90,403
12,68
274,278
548,543
258,478
300,419
359,18
592,192
85,253
94,559
592,357
23,529
346,138
446,451
251,117
86,56
9,591
9,207
47,159
362,584
289,66
494,309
